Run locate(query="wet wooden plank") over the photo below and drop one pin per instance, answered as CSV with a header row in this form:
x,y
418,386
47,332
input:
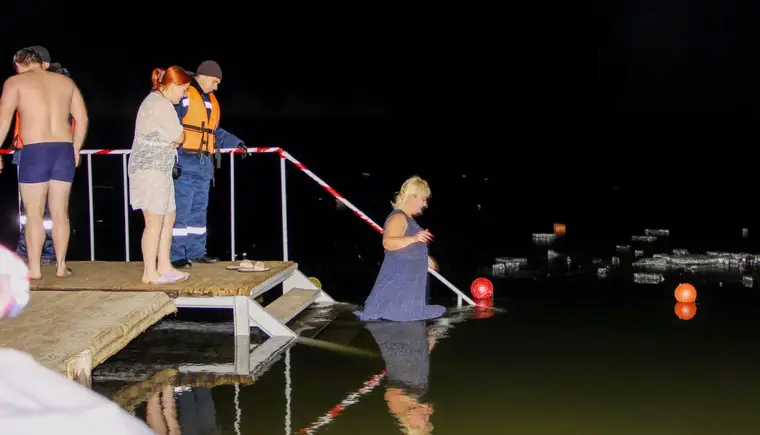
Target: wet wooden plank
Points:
x,y
291,303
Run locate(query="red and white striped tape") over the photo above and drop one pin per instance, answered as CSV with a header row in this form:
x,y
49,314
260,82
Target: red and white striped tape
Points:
x,y
280,151
332,191
119,152
351,399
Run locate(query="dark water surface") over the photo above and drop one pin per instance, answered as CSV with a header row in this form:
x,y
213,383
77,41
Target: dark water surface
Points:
x,y
567,353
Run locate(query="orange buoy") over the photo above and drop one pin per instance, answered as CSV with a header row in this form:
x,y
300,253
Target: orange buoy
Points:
x,y
559,229
686,292
685,310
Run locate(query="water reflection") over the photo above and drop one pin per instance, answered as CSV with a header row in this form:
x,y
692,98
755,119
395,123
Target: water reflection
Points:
x,y
685,310
405,347
177,403
161,412
190,412
197,412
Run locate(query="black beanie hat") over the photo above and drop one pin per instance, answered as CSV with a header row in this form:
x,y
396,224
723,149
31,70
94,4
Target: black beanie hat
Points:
x,y
209,68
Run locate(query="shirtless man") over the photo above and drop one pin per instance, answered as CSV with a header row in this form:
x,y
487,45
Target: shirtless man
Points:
x,y
51,153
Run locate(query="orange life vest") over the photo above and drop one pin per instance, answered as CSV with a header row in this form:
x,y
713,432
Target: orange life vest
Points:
x,y
199,126
17,143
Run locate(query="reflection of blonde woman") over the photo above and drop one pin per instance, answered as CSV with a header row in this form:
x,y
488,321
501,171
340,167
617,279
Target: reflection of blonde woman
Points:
x,y
413,416
400,289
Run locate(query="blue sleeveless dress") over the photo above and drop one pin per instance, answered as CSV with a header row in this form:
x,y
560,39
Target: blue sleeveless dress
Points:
x,y
399,293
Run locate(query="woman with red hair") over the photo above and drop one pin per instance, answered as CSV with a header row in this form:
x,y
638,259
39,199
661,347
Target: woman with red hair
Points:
x,y
158,134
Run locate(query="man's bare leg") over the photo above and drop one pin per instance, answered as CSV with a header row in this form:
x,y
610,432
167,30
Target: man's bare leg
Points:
x,y
150,241
165,244
58,201
34,196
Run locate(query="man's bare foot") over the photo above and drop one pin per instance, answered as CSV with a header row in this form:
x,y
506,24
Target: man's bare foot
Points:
x,y
149,278
35,274
62,271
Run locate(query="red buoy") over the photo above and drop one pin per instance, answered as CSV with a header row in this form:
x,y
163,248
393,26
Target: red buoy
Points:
x,y
482,288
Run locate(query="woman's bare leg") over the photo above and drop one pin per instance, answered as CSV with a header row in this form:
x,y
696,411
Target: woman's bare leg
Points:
x,y
150,241
165,244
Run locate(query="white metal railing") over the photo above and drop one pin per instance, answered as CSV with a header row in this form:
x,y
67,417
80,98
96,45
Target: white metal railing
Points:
x,y
284,155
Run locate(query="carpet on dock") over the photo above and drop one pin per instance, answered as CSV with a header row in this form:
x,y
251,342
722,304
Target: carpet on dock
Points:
x,y
58,327
205,280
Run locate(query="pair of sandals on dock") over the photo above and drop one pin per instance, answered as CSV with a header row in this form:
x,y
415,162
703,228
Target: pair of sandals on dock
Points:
x,y
250,266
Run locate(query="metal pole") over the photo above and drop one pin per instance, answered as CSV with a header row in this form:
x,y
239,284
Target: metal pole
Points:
x,y
451,286
92,213
126,205
232,206
284,202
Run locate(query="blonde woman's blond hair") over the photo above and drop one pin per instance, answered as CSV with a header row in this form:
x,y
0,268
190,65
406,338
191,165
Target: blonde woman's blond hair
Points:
x,y
414,186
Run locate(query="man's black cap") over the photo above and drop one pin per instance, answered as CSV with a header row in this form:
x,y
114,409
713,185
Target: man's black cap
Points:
x,y
42,51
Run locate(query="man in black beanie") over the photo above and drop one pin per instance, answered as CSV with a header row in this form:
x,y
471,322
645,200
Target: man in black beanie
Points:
x,y
199,114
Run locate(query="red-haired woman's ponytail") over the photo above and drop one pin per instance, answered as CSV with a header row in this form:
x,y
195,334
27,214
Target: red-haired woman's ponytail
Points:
x,y
157,77
173,75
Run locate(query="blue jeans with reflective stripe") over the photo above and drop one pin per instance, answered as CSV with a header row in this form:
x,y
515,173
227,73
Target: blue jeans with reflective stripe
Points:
x,y
48,252
191,192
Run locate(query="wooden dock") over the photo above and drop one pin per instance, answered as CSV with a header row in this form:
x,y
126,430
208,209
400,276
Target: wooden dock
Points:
x,y
71,325
72,332
205,280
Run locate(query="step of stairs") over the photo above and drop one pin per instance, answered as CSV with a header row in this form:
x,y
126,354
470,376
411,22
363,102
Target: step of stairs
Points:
x,y
289,305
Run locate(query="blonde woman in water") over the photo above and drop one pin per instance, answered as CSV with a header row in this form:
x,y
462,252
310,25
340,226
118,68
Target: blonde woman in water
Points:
x,y
399,293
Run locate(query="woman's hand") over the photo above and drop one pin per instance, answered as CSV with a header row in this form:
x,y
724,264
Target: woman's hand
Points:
x,y
178,141
423,236
432,263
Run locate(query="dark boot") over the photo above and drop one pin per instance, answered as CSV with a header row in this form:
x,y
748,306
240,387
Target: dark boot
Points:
x,y
206,260
182,264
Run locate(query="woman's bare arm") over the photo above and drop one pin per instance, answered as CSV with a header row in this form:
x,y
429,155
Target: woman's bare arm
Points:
x,y
393,236
178,141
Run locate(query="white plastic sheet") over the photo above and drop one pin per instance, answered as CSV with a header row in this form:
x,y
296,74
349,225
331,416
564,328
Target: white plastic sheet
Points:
x,y
35,400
